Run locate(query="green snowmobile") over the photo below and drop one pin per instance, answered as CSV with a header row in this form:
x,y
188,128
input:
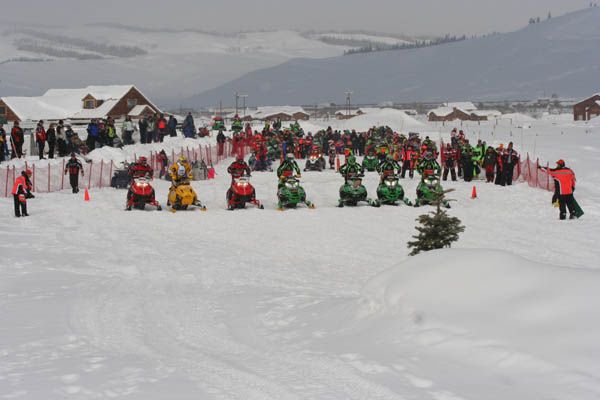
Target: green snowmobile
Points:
x,y
353,191
237,125
370,162
390,192
290,194
218,124
429,192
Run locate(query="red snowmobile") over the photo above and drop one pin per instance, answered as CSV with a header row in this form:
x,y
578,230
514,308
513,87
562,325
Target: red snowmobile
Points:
x,y
240,193
141,193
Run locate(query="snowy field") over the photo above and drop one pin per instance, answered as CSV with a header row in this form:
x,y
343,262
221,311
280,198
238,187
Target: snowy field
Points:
x,y
99,303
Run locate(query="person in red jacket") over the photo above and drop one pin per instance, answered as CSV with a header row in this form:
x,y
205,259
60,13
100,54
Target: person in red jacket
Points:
x,y
238,168
408,164
565,178
21,191
140,169
16,139
449,162
40,138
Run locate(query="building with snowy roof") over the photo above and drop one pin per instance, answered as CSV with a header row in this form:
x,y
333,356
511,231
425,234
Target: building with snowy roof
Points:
x,y
462,105
449,114
484,115
587,109
92,102
283,113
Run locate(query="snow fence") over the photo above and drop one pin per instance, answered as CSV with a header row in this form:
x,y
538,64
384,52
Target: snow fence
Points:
x,y
98,174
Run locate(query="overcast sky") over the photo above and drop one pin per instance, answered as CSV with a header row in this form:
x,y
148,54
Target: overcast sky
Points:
x,y
398,16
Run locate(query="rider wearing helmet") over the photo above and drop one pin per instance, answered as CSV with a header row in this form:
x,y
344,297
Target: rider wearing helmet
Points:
x,y
239,167
351,168
429,165
388,166
287,168
180,171
140,168
21,192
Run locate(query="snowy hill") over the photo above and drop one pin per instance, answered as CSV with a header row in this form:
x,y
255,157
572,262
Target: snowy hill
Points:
x,y
555,56
168,65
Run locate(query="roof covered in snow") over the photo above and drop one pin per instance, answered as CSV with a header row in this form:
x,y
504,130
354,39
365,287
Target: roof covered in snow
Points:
x,y
462,105
486,113
266,112
67,103
138,110
441,111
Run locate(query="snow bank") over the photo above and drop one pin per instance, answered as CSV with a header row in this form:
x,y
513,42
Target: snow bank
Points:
x,y
539,311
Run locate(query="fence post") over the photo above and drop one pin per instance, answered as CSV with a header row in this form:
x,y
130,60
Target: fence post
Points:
x,y
33,178
110,172
6,187
537,172
49,166
101,167
547,176
90,176
13,173
62,181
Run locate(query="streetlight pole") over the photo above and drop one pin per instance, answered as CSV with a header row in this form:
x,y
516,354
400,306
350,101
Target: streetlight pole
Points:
x,y
243,96
348,101
237,96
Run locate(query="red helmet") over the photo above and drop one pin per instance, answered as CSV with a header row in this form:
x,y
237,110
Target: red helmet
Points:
x,y
142,160
239,157
28,172
560,162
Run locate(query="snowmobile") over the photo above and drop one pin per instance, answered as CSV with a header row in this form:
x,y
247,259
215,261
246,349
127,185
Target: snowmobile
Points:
x,y
218,124
182,196
429,192
290,194
370,163
390,192
240,193
141,193
237,126
353,191
315,162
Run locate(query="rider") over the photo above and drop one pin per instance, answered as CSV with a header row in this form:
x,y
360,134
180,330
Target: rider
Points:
x,y
351,168
238,168
180,171
140,169
429,165
388,166
287,168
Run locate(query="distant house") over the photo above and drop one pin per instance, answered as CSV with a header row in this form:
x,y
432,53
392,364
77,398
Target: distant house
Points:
x,y
284,113
449,114
114,101
587,109
345,114
484,115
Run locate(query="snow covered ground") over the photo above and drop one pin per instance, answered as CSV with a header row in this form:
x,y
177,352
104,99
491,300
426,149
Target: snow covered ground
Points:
x,y
99,303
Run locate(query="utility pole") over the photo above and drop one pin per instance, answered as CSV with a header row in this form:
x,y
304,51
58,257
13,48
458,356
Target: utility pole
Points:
x,y
243,96
237,96
348,101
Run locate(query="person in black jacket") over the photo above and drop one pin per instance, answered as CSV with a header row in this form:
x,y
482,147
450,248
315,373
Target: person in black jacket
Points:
x,y
74,168
51,139
143,126
16,139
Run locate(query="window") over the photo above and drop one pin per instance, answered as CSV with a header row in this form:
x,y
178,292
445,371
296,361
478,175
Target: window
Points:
x,y
131,102
2,110
89,104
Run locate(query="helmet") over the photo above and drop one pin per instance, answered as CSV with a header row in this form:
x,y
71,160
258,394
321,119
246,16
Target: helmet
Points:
x,y
239,157
289,156
351,159
142,160
389,157
28,172
182,158
560,163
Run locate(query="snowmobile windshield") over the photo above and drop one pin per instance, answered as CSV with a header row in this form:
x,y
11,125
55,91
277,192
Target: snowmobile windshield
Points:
x,y
291,184
391,181
242,180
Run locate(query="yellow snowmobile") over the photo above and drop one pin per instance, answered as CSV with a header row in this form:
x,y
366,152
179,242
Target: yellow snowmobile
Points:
x,y
182,196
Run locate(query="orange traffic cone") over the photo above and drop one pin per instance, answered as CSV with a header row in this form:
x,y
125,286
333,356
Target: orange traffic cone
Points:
x,y
474,192
337,163
86,195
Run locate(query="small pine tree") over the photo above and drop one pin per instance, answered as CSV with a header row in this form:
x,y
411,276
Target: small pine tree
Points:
x,y
436,231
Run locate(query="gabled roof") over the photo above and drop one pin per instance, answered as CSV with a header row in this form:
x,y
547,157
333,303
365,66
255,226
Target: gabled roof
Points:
x,y
598,102
442,111
97,92
265,112
138,110
588,98
98,112
486,113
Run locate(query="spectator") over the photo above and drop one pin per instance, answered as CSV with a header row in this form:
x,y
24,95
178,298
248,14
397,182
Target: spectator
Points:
x,y
143,127
40,138
566,186
51,138
221,139
93,131
21,192
509,159
128,129
188,126
61,139
2,143
172,127
161,127
16,139
490,159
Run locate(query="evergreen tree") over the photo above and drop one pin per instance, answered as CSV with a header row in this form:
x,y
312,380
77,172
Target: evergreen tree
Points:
x,y
436,230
